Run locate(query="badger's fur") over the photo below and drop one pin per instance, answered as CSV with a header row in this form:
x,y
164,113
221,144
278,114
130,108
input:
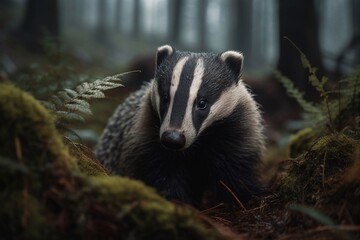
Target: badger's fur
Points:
x,y
192,130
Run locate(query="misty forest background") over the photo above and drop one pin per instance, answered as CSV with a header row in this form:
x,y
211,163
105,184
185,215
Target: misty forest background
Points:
x,y
48,45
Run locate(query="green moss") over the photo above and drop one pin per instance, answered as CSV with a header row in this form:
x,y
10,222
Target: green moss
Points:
x,y
300,142
318,168
143,214
40,183
25,121
125,190
22,216
28,138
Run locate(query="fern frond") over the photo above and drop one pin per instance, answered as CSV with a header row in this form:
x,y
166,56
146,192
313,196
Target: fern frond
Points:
x,y
68,116
48,105
315,81
293,92
71,92
71,104
73,107
56,101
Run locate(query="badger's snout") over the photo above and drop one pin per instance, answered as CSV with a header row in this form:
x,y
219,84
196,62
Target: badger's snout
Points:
x,y
173,140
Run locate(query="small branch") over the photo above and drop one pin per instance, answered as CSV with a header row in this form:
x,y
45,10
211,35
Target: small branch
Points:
x,y
233,194
25,190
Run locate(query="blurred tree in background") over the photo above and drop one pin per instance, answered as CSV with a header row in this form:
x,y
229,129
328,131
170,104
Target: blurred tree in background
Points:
x,y
112,36
327,31
41,19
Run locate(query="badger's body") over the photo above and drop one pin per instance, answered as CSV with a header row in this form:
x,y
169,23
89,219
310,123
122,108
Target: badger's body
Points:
x,y
192,130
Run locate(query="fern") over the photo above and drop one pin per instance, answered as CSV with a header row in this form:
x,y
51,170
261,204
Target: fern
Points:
x,y
69,105
51,74
315,81
293,92
340,113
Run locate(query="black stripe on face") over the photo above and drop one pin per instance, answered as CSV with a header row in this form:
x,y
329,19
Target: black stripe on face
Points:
x,y
182,94
163,78
210,89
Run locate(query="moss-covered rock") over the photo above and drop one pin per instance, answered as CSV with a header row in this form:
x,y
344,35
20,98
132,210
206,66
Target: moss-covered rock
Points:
x,y
29,142
300,142
318,168
139,212
24,216
45,196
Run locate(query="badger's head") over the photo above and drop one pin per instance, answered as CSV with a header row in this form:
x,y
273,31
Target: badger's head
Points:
x,y
191,91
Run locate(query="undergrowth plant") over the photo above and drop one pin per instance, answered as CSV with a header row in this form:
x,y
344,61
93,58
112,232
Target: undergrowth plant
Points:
x,y
51,74
337,109
72,104
52,81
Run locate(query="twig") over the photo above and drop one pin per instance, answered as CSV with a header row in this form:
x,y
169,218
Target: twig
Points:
x,y
212,208
233,194
323,170
25,190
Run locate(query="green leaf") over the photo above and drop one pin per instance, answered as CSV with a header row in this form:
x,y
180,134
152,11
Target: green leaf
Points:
x,y
64,115
71,92
78,108
56,100
70,104
64,96
81,102
293,92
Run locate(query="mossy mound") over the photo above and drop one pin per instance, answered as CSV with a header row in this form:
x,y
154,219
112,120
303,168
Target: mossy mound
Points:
x,y
317,195
318,168
300,142
138,211
45,196
29,141
24,215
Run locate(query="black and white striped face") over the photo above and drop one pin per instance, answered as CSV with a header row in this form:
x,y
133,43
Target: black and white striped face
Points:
x,y
193,90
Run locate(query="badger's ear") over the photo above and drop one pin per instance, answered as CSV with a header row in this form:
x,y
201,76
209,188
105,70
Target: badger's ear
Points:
x,y
234,60
163,52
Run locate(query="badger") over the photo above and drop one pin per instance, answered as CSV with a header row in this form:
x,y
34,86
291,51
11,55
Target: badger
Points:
x,y
193,131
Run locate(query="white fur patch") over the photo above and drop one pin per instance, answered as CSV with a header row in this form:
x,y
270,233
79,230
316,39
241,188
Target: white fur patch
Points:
x,y
233,54
166,48
187,125
175,79
226,104
155,97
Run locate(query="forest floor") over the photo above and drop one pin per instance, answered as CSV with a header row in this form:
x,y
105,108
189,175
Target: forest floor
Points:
x,y
314,183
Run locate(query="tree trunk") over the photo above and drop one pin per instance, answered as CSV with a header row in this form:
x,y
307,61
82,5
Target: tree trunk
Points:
x,y
102,31
298,21
202,8
136,18
40,21
175,15
240,26
356,19
117,24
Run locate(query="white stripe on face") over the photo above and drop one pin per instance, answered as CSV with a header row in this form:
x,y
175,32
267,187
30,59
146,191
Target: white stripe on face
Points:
x,y
155,97
187,126
226,104
175,79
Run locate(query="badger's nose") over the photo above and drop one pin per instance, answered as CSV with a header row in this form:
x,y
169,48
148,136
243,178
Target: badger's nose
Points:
x,y
173,140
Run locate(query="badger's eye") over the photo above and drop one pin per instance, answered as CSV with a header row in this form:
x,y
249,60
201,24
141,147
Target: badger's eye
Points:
x,y
202,103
